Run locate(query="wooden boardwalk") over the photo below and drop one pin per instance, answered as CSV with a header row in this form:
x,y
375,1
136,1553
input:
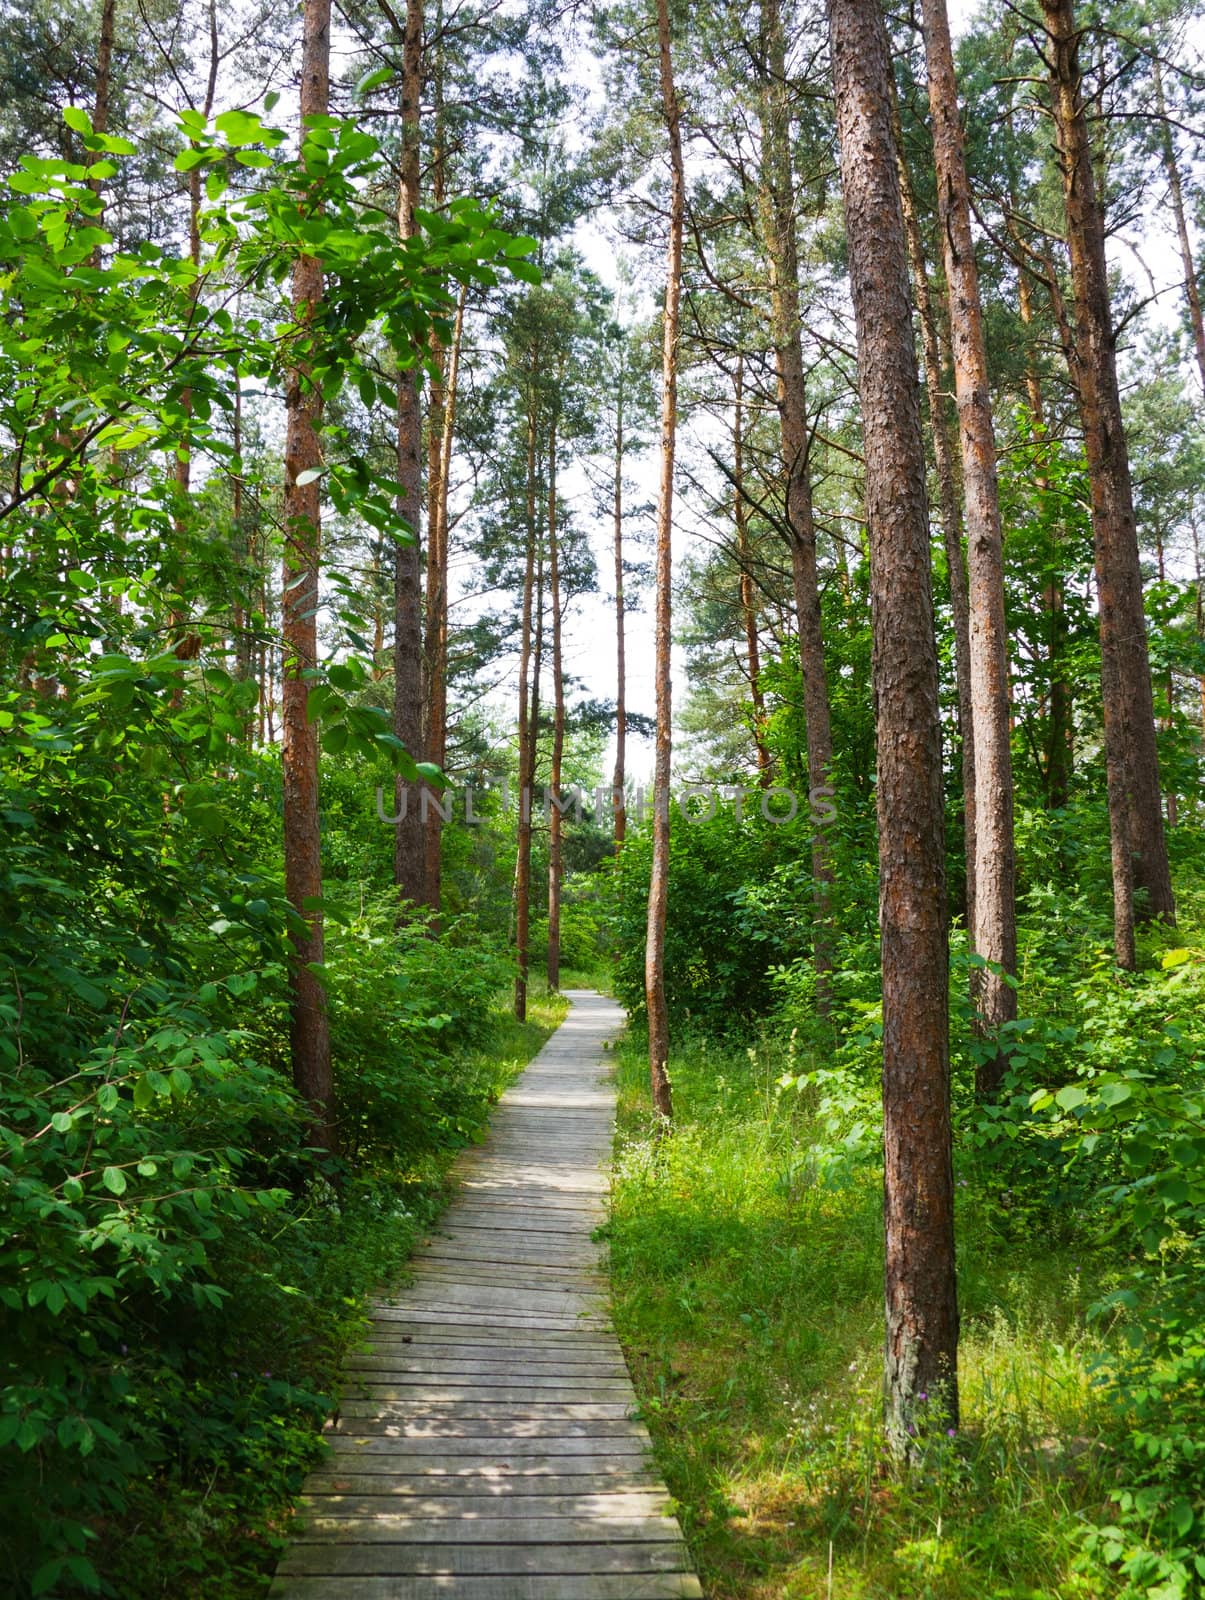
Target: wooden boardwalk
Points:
x,y
485,1448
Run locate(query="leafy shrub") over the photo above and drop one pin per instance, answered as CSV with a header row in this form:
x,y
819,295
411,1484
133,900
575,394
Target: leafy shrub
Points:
x,y
405,1006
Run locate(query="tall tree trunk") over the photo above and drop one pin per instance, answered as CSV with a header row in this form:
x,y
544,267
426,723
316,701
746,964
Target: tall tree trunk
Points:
x,y
1059,726
409,853
309,1032
104,67
558,723
949,502
441,423
440,460
1200,609
740,512
654,956
918,1187
995,928
1176,190
1167,721
527,721
619,778
183,458
778,207
1139,846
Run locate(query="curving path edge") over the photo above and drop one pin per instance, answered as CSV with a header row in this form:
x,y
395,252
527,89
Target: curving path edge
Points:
x,y
486,1446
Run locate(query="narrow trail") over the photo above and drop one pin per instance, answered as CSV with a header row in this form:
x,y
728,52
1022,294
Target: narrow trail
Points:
x,y
486,1447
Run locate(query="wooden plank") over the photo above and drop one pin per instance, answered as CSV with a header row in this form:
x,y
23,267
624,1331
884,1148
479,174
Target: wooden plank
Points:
x,y
483,1347
583,1586
634,1573
604,1504
402,1463
494,1364
349,1446
395,1528
575,1410
492,1374
365,1560
452,1486
499,1428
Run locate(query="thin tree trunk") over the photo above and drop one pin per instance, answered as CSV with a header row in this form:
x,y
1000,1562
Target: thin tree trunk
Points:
x,y
527,726
558,724
778,218
440,432
1200,609
619,778
1167,721
1059,749
409,854
949,502
740,513
1175,188
309,1032
654,958
437,595
1139,846
995,928
183,454
921,1298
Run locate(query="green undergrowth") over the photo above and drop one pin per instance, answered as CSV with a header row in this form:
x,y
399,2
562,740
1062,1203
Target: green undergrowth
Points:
x,y
748,1283
215,1402
217,1533
593,977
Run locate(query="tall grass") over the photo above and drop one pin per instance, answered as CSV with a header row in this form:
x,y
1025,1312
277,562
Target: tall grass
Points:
x,y
747,1270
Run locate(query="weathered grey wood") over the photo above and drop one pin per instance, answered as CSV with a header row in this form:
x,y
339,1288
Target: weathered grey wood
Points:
x,y
456,1487
661,1583
486,1446
451,1486
358,1446
639,1503
358,1559
486,1410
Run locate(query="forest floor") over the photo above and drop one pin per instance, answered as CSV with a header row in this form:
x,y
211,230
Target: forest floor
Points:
x,y
748,1297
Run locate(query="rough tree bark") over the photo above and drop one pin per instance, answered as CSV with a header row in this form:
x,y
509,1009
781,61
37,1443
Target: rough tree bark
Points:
x,y
1139,846
558,721
442,423
778,208
654,957
1059,724
527,709
921,1300
994,935
949,501
309,1032
441,427
619,778
409,863
740,512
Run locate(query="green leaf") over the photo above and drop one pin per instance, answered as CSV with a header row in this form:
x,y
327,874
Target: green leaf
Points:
x,y
239,127
374,80
1070,1096
114,1180
77,119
